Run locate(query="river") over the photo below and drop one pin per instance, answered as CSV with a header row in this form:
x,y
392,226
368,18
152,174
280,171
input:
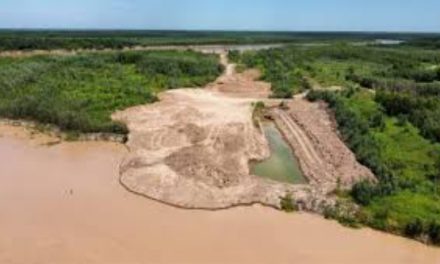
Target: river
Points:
x,y
63,204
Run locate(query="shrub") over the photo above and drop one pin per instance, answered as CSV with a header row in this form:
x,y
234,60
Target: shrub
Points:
x,y
434,232
414,228
287,204
363,192
79,93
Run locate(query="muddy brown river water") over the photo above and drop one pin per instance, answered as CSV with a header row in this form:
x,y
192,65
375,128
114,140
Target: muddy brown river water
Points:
x,y
63,204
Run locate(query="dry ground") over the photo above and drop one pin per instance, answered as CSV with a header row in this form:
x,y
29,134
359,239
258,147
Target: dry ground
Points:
x,y
193,148
324,158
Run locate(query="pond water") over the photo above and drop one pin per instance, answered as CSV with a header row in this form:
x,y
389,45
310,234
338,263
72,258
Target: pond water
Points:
x,y
282,164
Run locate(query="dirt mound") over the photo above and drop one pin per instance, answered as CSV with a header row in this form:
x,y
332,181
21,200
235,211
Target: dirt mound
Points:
x,y
193,148
325,159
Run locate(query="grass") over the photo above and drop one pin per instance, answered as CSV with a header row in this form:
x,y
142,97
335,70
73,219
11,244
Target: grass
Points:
x,y
393,213
333,72
406,150
411,158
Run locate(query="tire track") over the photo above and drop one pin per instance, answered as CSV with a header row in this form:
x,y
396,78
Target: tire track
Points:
x,y
301,137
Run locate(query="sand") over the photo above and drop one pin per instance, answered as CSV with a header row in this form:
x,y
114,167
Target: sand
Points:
x,y
193,148
63,204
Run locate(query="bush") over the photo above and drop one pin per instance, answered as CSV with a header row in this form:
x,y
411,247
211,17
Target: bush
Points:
x,y
287,204
414,228
234,56
363,192
434,232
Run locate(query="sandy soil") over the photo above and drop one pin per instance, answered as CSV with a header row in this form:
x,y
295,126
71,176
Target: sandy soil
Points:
x,y
194,147
192,150
244,85
63,204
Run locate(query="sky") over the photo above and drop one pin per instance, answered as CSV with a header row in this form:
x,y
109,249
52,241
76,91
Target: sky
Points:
x,y
278,15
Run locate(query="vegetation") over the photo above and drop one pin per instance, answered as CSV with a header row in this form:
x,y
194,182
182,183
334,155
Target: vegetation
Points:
x,y
297,68
287,204
426,42
117,39
258,113
405,200
389,115
420,105
79,93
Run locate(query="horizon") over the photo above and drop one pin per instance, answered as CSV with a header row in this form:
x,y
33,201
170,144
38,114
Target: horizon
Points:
x,y
218,30
245,16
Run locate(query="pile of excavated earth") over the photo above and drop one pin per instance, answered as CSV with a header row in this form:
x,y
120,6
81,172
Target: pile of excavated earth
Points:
x,y
194,147
324,158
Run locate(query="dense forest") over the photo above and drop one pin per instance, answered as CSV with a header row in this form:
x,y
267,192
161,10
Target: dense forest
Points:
x,y
79,93
388,113
117,39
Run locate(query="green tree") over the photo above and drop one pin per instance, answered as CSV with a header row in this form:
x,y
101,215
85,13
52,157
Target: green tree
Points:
x,y
363,192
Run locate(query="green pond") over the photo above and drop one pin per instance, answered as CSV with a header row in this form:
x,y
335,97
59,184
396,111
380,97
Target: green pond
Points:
x,y
282,165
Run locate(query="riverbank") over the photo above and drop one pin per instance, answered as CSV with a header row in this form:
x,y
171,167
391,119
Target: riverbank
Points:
x,y
63,204
58,135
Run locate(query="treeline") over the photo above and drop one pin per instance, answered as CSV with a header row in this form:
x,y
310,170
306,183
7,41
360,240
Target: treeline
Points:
x,y
116,39
43,43
79,93
427,43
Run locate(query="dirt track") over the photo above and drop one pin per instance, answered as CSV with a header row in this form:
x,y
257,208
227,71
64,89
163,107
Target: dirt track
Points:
x,y
193,148
325,159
